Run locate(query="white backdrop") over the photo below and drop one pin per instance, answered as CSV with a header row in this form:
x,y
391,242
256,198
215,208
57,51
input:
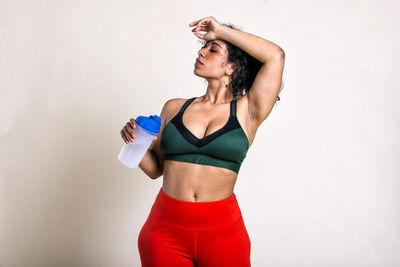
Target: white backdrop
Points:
x,y
319,186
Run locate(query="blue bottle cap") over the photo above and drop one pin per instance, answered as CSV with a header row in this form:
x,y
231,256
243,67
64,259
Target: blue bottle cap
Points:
x,y
150,124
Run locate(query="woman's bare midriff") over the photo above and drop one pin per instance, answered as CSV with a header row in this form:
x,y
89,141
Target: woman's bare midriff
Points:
x,y
197,183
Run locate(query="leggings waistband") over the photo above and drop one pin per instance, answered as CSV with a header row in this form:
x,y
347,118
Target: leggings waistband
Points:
x,y
195,214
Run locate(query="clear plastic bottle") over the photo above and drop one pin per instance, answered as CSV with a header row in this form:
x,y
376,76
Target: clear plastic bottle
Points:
x,y
147,127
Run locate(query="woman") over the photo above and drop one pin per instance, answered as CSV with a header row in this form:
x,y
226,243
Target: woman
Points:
x,y
195,219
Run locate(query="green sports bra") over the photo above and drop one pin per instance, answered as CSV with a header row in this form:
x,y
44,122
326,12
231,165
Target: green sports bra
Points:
x,y
226,147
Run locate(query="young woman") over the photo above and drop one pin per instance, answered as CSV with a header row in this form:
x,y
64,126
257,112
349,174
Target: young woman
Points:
x,y
195,219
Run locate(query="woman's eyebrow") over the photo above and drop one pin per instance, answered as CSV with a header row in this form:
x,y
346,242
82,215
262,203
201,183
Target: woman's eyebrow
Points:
x,y
216,44
213,43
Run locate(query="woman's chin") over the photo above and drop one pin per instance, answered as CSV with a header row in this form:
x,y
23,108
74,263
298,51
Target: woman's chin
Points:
x,y
195,72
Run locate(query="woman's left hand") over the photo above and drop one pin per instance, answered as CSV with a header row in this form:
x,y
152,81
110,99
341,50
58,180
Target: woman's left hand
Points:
x,y
208,24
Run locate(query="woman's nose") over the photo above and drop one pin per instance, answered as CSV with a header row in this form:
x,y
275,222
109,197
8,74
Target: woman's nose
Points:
x,y
201,52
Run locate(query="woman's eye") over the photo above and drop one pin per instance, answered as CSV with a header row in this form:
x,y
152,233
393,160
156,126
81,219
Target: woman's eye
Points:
x,y
212,50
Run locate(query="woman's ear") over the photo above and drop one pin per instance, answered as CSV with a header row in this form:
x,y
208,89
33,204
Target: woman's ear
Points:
x,y
232,68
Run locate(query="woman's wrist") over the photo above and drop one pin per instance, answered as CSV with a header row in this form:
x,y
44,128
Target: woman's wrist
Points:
x,y
220,31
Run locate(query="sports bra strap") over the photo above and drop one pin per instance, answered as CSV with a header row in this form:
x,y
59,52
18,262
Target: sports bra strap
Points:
x,y
186,104
233,108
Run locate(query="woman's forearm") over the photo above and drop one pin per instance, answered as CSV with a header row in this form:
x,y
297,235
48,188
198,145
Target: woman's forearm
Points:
x,y
149,165
257,47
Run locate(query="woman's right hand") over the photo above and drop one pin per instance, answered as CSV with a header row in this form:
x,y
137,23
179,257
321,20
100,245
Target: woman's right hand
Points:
x,y
127,132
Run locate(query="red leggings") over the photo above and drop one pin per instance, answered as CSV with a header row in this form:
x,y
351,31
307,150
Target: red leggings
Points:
x,y
186,234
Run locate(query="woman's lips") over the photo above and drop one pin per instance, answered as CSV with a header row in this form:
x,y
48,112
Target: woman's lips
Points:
x,y
198,62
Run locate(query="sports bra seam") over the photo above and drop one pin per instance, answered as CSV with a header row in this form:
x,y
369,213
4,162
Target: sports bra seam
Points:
x,y
205,154
238,164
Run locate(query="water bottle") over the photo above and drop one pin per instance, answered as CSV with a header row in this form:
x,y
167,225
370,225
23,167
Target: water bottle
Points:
x,y
132,153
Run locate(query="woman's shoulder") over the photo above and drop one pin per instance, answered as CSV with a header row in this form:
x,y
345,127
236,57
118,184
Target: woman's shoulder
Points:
x,y
175,101
174,104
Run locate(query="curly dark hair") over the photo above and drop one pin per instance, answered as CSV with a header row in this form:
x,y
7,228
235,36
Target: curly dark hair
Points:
x,y
246,69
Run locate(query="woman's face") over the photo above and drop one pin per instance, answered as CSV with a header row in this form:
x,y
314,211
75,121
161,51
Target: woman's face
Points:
x,y
213,55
